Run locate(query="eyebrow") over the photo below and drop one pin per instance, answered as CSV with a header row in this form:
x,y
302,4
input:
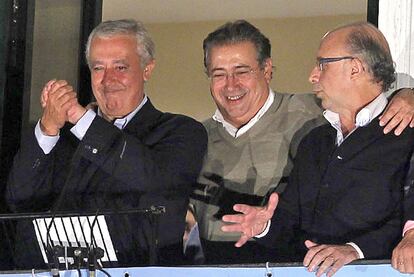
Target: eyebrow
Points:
x,y
235,67
99,62
120,61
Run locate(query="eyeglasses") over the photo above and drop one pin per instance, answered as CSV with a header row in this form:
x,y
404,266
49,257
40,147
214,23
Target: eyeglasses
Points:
x,y
320,62
240,74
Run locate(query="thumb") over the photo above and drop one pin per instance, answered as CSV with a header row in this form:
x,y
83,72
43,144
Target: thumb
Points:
x,y
309,244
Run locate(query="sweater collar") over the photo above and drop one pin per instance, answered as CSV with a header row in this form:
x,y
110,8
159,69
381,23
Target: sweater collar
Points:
x,y
236,132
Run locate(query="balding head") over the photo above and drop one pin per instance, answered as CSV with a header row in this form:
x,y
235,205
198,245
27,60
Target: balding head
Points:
x,y
366,42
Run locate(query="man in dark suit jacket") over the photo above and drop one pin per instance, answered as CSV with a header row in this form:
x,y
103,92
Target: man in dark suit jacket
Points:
x,y
124,154
344,197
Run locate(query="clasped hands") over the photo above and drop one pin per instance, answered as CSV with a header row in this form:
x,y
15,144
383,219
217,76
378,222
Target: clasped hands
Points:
x,y
252,221
60,104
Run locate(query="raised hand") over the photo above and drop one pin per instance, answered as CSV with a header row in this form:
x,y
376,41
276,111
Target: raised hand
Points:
x,y
56,100
252,221
45,93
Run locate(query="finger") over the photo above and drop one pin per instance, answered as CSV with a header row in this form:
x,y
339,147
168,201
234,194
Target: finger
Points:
x,y
49,84
325,265
243,239
403,124
63,90
317,255
233,218
412,123
232,228
67,105
392,123
45,92
313,250
57,85
65,99
55,95
309,244
408,265
394,258
397,261
400,266
43,100
335,267
272,203
62,95
243,208
388,114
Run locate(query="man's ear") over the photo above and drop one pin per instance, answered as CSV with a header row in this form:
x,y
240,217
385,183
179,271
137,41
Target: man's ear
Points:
x,y
357,68
148,70
268,70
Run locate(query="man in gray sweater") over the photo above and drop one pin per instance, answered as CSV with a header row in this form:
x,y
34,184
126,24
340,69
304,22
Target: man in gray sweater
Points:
x,y
253,136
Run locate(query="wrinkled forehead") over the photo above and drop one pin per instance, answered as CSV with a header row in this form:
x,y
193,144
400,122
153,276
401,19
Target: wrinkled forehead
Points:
x,y
233,54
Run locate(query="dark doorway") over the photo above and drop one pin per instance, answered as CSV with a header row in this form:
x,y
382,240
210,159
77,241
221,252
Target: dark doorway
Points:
x,y
16,62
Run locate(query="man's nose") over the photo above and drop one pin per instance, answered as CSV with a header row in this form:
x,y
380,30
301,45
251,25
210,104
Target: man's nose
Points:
x,y
108,76
314,75
231,81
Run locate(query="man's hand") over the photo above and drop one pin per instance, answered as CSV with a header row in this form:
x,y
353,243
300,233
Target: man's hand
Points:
x,y
45,93
329,258
399,112
252,220
403,255
76,112
56,100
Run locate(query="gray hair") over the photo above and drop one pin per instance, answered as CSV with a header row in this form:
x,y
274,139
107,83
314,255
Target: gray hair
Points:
x,y
145,45
366,41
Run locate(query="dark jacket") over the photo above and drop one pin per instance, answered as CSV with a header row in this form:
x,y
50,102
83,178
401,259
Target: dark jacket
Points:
x,y
350,193
153,161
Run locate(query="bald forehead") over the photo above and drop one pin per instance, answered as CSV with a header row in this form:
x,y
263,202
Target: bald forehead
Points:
x,y
339,35
334,42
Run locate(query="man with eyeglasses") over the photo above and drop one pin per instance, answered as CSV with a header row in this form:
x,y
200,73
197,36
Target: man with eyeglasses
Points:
x,y
344,197
253,136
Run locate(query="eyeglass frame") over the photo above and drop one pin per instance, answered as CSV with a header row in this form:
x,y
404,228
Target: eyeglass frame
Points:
x,y
321,61
249,70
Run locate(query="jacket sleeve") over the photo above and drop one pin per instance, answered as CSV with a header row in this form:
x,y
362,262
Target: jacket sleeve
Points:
x,y
31,181
170,156
167,157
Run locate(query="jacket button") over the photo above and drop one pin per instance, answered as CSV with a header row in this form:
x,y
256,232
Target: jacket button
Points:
x,y
94,150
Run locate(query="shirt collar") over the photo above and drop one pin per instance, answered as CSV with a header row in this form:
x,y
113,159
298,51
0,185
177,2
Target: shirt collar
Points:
x,y
120,123
363,117
236,132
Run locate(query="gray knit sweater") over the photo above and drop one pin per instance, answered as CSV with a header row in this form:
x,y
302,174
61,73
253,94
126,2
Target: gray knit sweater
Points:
x,y
245,169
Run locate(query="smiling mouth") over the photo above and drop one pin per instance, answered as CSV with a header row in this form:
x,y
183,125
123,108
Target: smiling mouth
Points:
x,y
235,97
113,89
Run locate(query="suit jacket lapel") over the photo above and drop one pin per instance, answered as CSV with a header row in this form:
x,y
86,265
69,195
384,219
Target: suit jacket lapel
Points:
x,y
141,124
366,136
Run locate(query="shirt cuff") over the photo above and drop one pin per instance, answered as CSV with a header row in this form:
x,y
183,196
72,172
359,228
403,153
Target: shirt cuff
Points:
x,y
408,226
83,124
357,249
47,143
265,231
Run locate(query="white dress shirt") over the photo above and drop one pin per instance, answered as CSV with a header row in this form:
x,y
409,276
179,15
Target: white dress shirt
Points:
x,y
236,132
81,127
